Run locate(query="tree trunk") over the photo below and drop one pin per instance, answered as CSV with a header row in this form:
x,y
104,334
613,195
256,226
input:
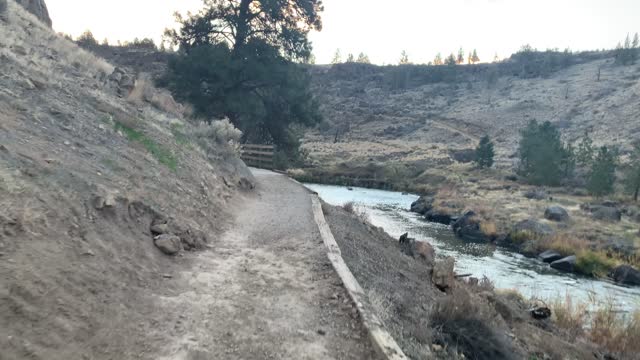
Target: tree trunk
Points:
x,y
242,27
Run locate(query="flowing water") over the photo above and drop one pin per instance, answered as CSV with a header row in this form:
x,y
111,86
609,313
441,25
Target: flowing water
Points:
x,y
507,270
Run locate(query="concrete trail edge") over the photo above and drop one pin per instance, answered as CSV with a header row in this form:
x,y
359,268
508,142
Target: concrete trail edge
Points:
x,y
382,341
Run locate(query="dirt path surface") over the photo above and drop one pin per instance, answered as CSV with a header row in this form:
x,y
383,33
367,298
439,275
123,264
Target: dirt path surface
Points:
x,y
266,289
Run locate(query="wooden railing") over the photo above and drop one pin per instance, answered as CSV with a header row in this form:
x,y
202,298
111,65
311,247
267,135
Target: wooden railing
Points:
x,y
260,156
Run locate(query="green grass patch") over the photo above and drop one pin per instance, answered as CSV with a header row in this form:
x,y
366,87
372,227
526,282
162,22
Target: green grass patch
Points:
x,y
163,156
595,263
179,135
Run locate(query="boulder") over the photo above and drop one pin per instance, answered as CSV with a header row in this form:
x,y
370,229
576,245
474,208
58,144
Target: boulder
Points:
x,y
467,227
438,217
625,274
605,213
417,249
168,244
533,227
566,264
159,229
536,194
37,8
556,213
550,256
442,275
422,205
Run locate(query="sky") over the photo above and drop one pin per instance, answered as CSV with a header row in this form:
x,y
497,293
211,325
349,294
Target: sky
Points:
x,y
382,29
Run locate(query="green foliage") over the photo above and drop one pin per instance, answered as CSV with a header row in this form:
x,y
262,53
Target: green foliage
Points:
x,y
542,154
485,152
585,151
460,58
632,174
337,57
603,172
451,60
351,58
404,58
474,57
146,43
236,61
363,59
627,54
162,155
534,63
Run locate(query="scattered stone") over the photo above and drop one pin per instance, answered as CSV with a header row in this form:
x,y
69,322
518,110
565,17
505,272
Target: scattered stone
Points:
x,y
417,249
322,332
168,244
443,276
566,264
626,274
436,347
556,213
167,276
550,256
606,213
511,178
89,253
540,312
67,142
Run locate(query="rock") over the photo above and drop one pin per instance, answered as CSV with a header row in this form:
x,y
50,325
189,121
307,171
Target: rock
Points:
x,y
550,256
533,227
511,178
159,229
417,249
606,213
540,312
626,274
168,244
442,275
566,264
536,194
619,245
556,213
37,8
422,205
438,217
467,227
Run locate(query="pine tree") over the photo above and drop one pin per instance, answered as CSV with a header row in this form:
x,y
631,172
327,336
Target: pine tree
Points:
x,y
485,152
438,60
636,41
474,57
351,58
603,172
337,57
632,174
460,58
363,59
541,154
450,60
496,58
404,58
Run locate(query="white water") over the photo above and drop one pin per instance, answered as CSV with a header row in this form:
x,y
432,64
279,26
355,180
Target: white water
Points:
x,y
507,270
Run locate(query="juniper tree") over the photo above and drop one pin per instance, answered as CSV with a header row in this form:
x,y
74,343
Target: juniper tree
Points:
x,y
450,60
240,59
337,57
404,58
351,58
485,152
460,58
541,154
603,172
585,151
363,59
474,57
438,60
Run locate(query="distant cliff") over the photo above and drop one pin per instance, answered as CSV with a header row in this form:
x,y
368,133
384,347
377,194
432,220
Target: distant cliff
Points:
x,y
38,8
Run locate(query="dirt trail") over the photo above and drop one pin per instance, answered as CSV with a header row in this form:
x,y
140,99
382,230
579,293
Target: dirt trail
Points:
x,y
266,289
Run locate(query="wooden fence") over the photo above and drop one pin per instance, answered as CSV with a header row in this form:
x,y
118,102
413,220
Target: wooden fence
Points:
x,y
260,156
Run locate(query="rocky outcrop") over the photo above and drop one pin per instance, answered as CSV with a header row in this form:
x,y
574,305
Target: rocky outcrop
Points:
x,y
566,264
626,274
550,256
422,205
468,227
556,213
168,244
37,8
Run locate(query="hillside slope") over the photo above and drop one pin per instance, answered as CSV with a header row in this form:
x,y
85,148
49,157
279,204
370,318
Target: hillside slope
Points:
x,y
86,166
422,124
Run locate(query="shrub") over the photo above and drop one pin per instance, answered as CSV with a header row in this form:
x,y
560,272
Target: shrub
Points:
x,y
569,315
485,153
220,132
161,154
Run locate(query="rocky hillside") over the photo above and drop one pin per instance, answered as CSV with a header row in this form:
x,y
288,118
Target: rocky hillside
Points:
x,y
101,177
423,115
37,8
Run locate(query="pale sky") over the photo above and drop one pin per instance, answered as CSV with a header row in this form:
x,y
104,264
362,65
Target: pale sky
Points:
x,y
383,28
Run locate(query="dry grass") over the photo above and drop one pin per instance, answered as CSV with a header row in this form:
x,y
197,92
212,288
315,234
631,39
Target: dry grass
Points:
x,y
353,209
565,244
618,333
145,91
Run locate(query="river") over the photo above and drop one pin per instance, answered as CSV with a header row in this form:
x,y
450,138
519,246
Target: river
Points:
x,y
507,270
